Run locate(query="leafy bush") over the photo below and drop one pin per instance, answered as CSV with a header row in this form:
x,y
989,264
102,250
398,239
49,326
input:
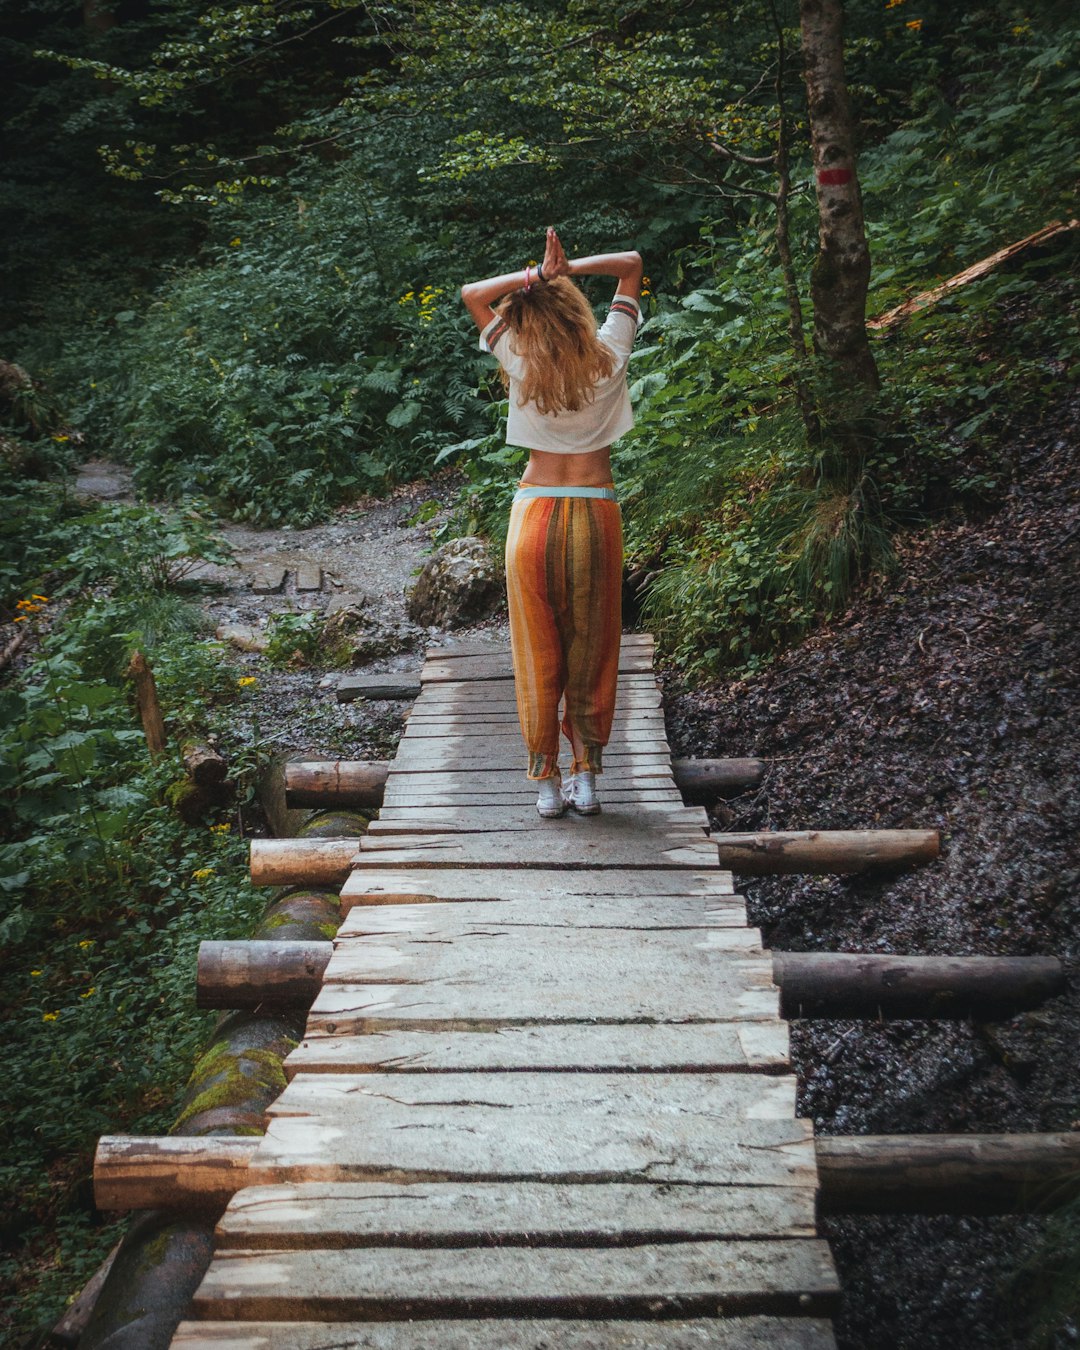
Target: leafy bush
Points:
x,y
105,893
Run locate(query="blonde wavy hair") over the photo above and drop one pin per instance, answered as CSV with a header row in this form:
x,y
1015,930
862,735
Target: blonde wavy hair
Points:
x,y
553,330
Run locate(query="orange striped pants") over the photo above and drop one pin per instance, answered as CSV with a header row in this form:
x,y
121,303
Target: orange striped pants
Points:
x,y
564,588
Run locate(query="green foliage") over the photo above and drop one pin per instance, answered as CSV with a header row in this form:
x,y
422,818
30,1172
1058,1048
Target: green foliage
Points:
x,y
105,893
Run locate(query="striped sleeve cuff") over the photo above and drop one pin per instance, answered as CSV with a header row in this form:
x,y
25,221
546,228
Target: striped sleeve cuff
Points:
x,y
496,329
624,304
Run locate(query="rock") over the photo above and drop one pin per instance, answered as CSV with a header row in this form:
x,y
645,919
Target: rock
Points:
x,y
242,635
458,585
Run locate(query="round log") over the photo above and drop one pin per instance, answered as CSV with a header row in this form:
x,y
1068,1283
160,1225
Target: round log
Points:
x,y
333,824
818,852
335,782
948,1174
302,862
301,914
175,1172
203,764
703,780
260,974
842,984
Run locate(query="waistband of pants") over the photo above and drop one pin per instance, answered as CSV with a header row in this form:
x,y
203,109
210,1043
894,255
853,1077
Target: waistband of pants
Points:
x,y
530,491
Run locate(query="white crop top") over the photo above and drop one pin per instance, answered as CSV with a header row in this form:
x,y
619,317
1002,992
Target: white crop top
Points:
x,y
599,422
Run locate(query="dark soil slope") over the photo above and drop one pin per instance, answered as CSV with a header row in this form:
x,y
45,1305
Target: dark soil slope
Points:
x,y
950,701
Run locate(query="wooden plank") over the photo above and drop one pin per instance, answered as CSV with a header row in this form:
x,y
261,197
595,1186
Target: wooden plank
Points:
x,y
508,753
523,1214
386,886
513,779
736,1333
515,817
502,686
608,796
738,989
623,848
706,1047
492,670
789,1276
480,739
499,958
639,914
460,722
494,667
637,642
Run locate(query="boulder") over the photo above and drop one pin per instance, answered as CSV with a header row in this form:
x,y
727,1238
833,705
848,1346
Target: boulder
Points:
x,y
458,585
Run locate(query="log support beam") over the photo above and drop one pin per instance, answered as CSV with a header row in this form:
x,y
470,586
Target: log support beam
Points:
x,y
187,1172
268,975
281,975
947,1174
822,852
869,1174
843,984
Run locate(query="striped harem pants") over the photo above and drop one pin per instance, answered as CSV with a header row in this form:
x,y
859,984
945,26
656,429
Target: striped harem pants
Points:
x,y
564,588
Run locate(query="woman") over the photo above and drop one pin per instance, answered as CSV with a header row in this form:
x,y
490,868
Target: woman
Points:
x,y
568,402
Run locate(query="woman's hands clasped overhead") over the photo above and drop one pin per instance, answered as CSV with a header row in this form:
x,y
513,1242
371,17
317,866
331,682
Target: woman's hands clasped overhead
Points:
x,y
555,262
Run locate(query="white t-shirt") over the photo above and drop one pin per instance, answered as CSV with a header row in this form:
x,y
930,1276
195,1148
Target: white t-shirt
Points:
x,y
597,423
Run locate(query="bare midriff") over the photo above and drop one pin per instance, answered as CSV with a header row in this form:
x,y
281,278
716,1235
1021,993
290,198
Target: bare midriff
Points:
x,y
592,468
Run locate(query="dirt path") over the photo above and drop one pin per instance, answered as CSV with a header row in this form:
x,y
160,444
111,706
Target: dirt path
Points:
x,y
369,554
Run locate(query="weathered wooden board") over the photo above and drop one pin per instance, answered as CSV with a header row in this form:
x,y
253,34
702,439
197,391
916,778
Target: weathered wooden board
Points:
x,y
638,914
525,1214
699,1047
499,958
472,687
512,779
739,988
385,886
527,798
631,662
736,1333
510,819
622,847
508,752
628,641
787,1276
625,730
482,740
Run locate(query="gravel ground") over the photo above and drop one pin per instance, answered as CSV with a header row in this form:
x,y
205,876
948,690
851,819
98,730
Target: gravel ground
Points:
x,y
947,701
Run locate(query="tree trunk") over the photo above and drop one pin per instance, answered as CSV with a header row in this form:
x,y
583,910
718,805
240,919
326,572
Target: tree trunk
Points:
x,y
841,271
147,700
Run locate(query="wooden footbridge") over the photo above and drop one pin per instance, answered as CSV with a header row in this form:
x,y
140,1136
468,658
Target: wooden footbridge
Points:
x,y
544,1098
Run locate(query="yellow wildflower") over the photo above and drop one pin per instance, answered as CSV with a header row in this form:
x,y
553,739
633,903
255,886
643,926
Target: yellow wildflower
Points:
x,y
233,243
86,942
245,680
61,438
36,973
43,598
49,1017
202,873
224,828
18,618
88,992
891,4
914,24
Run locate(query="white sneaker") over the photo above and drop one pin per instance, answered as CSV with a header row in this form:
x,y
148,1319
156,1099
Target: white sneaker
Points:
x,y
550,804
580,793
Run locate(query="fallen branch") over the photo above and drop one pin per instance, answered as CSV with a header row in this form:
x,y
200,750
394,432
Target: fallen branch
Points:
x,y
926,298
